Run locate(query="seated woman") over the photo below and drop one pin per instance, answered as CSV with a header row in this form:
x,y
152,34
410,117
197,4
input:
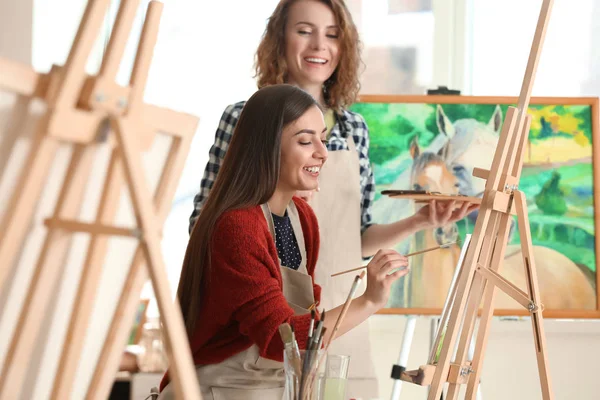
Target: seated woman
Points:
x,y
251,257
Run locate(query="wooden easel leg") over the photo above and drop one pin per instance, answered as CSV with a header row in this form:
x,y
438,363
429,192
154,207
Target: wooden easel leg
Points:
x,y
537,319
86,292
46,272
112,350
480,233
74,75
22,205
458,310
14,126
182,367
488,309
118,39
119,329
90,277
490,289
443,322
23,202
476,294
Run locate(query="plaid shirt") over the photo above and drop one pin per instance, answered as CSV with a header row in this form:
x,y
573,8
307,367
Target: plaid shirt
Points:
x,y
346,122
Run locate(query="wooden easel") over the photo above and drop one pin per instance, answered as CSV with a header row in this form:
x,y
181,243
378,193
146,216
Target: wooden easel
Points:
x,y
83,111
479,274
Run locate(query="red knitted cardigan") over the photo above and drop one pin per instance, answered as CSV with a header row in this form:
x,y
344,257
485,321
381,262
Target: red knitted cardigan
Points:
x,y
243,303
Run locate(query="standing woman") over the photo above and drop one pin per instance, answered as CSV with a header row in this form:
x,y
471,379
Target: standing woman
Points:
x,y
314,44
250,260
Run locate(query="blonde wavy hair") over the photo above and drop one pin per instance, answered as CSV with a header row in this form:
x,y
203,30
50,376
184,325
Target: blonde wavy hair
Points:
x,y
342,87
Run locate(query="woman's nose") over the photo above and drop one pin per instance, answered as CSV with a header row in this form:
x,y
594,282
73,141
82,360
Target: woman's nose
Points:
x,y
318,42
321,152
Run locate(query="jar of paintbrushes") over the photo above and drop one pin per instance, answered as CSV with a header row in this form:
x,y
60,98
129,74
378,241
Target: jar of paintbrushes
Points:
x,y
304,368
313,374
306,383
324,378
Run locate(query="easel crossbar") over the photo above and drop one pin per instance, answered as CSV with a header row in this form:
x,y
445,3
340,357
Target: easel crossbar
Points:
x,y
507,287
94,229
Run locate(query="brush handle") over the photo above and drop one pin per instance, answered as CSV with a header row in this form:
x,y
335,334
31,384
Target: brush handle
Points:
x,y
309,382
342,315
406,255
348,270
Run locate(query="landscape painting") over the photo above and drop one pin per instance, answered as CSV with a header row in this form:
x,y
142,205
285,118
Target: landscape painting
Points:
x,y
434,142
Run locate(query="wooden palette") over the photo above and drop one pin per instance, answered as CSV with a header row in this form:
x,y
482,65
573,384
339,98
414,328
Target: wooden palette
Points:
x,y
424,196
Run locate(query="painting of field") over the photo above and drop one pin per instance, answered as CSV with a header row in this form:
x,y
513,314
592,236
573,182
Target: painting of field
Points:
x,y
435,146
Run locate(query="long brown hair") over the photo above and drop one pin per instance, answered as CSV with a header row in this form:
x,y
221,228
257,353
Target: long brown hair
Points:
x,y
247,177
342,88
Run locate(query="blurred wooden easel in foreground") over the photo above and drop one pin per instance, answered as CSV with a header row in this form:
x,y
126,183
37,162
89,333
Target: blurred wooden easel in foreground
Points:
x,y
85,111
479,276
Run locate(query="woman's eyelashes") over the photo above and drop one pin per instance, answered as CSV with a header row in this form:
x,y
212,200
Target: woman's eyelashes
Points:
x,y
308,143
306,140
305,32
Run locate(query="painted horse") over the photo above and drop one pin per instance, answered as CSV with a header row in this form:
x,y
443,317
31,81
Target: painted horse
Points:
x,y
472,144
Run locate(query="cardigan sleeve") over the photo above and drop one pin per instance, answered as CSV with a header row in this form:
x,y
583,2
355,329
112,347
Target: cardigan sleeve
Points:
x,y
247,283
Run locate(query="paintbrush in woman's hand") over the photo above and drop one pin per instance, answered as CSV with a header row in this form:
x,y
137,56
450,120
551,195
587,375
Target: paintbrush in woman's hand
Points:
x,y
443,246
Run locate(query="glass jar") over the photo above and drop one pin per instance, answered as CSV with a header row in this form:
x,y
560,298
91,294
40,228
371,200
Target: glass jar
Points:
x,y
152,356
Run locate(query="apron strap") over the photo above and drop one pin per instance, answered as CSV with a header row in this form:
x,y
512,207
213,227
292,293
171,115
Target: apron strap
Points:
x,y
297,228
297,284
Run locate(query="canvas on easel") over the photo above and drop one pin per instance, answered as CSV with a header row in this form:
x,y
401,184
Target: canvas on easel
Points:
x,y
452,135
85,112
480,273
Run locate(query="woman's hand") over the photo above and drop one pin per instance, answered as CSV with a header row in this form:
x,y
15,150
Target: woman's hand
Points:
x,y
436,214
381,275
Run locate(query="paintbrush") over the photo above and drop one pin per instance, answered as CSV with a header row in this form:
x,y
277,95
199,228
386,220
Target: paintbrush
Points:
x,y
311,326
338,322
314,366
311,346
287,336
443,246
295,343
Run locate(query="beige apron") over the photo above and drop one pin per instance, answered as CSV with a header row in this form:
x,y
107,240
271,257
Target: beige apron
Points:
x,y
247,375
337,206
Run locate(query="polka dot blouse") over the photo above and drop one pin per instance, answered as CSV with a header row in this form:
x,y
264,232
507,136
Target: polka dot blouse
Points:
x,y
287,246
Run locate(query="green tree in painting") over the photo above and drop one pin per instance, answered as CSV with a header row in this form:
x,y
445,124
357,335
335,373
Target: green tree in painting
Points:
x,y
584,114
551,198
393,140
393,131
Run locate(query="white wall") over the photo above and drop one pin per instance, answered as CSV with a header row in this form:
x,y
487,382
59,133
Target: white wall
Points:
x,y
510,369
500,48
202,63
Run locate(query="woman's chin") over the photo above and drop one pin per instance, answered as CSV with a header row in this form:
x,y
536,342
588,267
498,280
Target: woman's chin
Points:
x,y
309,188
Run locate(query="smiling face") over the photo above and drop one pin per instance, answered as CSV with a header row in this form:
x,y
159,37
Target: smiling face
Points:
x,y
303,152
312,43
